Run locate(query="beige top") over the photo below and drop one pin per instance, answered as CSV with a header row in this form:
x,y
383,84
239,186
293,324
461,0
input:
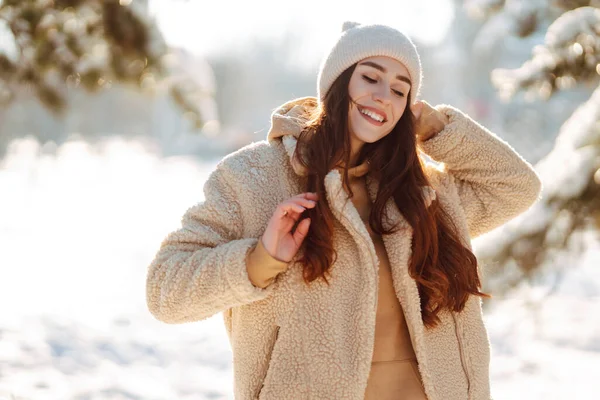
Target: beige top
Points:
x,y
394,368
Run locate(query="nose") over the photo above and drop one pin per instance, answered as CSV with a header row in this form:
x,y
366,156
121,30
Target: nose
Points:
x,y
382,95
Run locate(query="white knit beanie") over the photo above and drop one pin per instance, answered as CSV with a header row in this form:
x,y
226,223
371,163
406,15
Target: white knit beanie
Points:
x,y
358,42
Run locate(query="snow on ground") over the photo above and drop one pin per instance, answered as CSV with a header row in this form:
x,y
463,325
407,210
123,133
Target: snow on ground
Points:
x,y
80,224
545,336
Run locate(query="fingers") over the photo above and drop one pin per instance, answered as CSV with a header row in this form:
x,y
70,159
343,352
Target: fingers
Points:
x,y
291,209
417,109
295,206
436,124
306,203
304,200
422,109
308,195
301,231
430,120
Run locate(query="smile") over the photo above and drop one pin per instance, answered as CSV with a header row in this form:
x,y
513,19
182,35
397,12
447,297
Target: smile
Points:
x,y
372,117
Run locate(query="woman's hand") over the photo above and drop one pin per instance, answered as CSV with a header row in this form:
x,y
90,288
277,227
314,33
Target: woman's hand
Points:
x,y
278,239
278,245
429,120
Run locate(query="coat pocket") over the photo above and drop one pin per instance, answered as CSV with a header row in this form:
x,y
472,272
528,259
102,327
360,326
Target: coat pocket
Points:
x,y
269,355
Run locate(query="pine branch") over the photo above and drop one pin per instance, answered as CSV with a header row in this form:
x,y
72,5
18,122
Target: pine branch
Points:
x,y
570,54
570,173
570,201
92,44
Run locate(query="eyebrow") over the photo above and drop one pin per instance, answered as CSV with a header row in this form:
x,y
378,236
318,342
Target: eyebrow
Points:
x,y
382,69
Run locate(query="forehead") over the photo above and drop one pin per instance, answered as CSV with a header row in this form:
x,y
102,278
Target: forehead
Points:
x,y
392,65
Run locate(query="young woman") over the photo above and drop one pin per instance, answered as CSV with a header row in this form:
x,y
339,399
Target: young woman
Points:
x,y
339,257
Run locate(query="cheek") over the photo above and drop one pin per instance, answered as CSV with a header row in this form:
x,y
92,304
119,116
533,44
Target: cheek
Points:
x,y
353,117
399,109
357,88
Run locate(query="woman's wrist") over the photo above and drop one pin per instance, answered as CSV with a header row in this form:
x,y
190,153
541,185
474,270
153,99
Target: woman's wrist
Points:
x,y
262,267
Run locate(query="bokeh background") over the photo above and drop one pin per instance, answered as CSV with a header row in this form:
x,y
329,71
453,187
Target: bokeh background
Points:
x,y
114,112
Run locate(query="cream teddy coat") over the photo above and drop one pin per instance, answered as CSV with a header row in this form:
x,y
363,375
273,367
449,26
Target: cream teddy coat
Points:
x,y
297,341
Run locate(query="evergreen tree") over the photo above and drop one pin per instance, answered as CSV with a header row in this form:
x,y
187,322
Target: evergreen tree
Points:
x,y
93,44
570,204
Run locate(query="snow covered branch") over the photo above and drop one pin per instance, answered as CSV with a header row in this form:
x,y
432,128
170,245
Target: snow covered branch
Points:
x,y
93,44
570,200
570,54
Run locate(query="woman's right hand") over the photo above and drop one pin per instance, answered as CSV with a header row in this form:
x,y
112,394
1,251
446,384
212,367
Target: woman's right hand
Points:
x,y
278,245
278,239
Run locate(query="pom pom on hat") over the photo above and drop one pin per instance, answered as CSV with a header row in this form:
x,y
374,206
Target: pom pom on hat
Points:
x,y
358,42
349,25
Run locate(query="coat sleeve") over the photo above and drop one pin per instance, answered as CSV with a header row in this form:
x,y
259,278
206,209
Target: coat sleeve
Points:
x,y
200,269
494,183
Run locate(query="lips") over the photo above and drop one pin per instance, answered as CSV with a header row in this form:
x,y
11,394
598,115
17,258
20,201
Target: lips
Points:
x,y
376,111
370,119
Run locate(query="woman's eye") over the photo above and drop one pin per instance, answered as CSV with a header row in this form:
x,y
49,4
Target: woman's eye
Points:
x,y
371,80
366,78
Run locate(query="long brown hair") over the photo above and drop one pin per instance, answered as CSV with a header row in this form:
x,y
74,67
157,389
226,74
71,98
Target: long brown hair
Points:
x,y
444,269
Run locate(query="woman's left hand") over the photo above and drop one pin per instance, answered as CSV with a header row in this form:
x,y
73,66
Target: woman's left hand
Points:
x,y
429,121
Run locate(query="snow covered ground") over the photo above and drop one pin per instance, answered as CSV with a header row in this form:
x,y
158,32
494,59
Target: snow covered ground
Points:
x,y
80,224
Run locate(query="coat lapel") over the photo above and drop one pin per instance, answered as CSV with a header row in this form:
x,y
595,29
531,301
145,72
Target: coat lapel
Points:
x,y
344,211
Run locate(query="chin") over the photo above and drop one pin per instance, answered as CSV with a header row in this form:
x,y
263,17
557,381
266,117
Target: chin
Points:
x,y
370,138
368,133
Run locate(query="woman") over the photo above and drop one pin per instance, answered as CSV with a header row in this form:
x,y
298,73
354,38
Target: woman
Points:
x,y
340,259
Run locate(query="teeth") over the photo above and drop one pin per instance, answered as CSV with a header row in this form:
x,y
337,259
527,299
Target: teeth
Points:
x,y
371,114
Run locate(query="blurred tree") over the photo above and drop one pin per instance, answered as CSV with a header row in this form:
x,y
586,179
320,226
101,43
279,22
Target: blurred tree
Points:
x,y
93,44
570,204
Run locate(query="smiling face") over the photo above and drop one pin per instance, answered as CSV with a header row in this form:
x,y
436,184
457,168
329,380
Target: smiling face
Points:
x,y
378,91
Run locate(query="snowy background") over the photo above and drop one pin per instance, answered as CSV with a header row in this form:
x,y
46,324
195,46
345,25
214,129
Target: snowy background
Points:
x,y
86,199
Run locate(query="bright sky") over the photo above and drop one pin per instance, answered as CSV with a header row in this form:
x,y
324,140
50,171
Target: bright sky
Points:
x,y
208,27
